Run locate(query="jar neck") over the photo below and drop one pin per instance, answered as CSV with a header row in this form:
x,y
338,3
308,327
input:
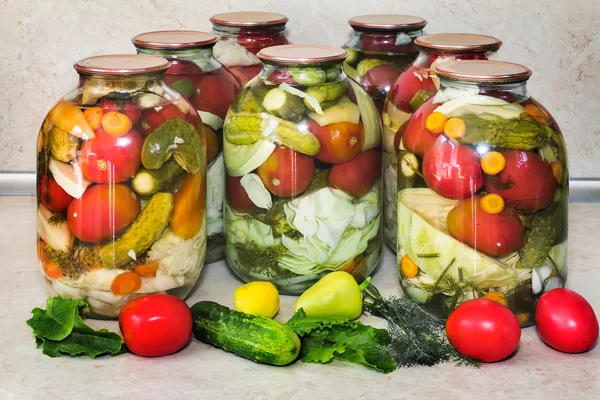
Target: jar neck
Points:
x,y
93,87
427,56
303,74
511,92
224,32
180,54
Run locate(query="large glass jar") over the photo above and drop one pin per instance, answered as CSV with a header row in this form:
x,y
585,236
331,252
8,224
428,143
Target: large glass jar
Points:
x,y
412,88
210,88
242,35
482,211
121,210
381,47
302,164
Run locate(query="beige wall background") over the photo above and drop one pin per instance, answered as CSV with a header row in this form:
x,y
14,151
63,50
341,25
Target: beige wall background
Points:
x,y
40,40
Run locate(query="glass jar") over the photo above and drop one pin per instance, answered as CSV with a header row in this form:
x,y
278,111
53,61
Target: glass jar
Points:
x,y
381,47
302,163
211,88
121,210
412,88
242,35
483,214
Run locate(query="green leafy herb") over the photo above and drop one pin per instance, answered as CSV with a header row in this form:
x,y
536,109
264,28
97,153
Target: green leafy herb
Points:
x,y
57,219
327,338
59,329
416,337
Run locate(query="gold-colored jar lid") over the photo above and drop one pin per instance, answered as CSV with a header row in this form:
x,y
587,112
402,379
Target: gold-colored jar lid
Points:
x,y
459,42
391,22
248,19
121,64
173,40
483,71
302,54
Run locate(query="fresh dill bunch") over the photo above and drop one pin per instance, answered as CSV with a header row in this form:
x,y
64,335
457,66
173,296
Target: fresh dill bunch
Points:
x,y
416,336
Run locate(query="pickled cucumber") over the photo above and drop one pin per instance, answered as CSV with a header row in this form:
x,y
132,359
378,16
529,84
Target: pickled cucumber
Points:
x,y
365,65
184,86
63,146
150,181
145,230
308,76
251,99
178,138
284,105
249,128
326,94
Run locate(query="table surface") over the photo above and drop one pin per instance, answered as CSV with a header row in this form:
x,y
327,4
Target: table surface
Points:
x,y
201,371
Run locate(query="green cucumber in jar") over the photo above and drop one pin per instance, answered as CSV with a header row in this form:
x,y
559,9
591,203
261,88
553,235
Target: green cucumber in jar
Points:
x,y
366,64
308,76
143,232
284,105
255,338
184,86
352,56
174,137
419,98
251,99
408,171
327,95
147,182
249,128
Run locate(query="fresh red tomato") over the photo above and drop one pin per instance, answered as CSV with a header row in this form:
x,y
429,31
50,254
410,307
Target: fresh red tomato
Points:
x,y
452,170
102,212
214,94
111,159
236,195
286,172
493,234
407,84
123,106
357,176
416,138
340,142
526,183
155,325
566,321
484,330
52,195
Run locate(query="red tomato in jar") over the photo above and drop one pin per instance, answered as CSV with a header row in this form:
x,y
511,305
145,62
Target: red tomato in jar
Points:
x,y
281,76
340,142
52,195
102,212
416,138
493,234
286,172
123,106
214,94
110,159
526,183
383,42
236,195
378,81
452,170
180,69
484,330
565,321
152,119
254,39
407,85
245,73
357,176
155,325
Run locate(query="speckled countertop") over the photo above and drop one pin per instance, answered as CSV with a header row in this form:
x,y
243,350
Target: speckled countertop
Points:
x,y
202,372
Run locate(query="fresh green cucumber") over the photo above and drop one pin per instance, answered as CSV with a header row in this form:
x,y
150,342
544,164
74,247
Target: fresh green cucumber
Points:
x,y
150,181
284,105
145,230
256,338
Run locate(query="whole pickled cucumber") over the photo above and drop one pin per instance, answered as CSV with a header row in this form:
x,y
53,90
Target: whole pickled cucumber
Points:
x,y
174,137
308,76
366,64
284,105
251,99
326,94
523,133
147,182
145,230
544,228
249,128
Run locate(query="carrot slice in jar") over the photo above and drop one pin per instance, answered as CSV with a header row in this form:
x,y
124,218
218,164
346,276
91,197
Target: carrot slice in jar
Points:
x,y
52,270
116,123
148,270
408,267
93,116
125,283
493,163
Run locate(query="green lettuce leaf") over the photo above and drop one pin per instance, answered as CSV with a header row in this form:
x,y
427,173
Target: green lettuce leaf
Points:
x,y
60,330
327,338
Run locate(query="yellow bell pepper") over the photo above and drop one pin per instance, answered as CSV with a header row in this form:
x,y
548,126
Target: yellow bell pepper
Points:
x,y
257,298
